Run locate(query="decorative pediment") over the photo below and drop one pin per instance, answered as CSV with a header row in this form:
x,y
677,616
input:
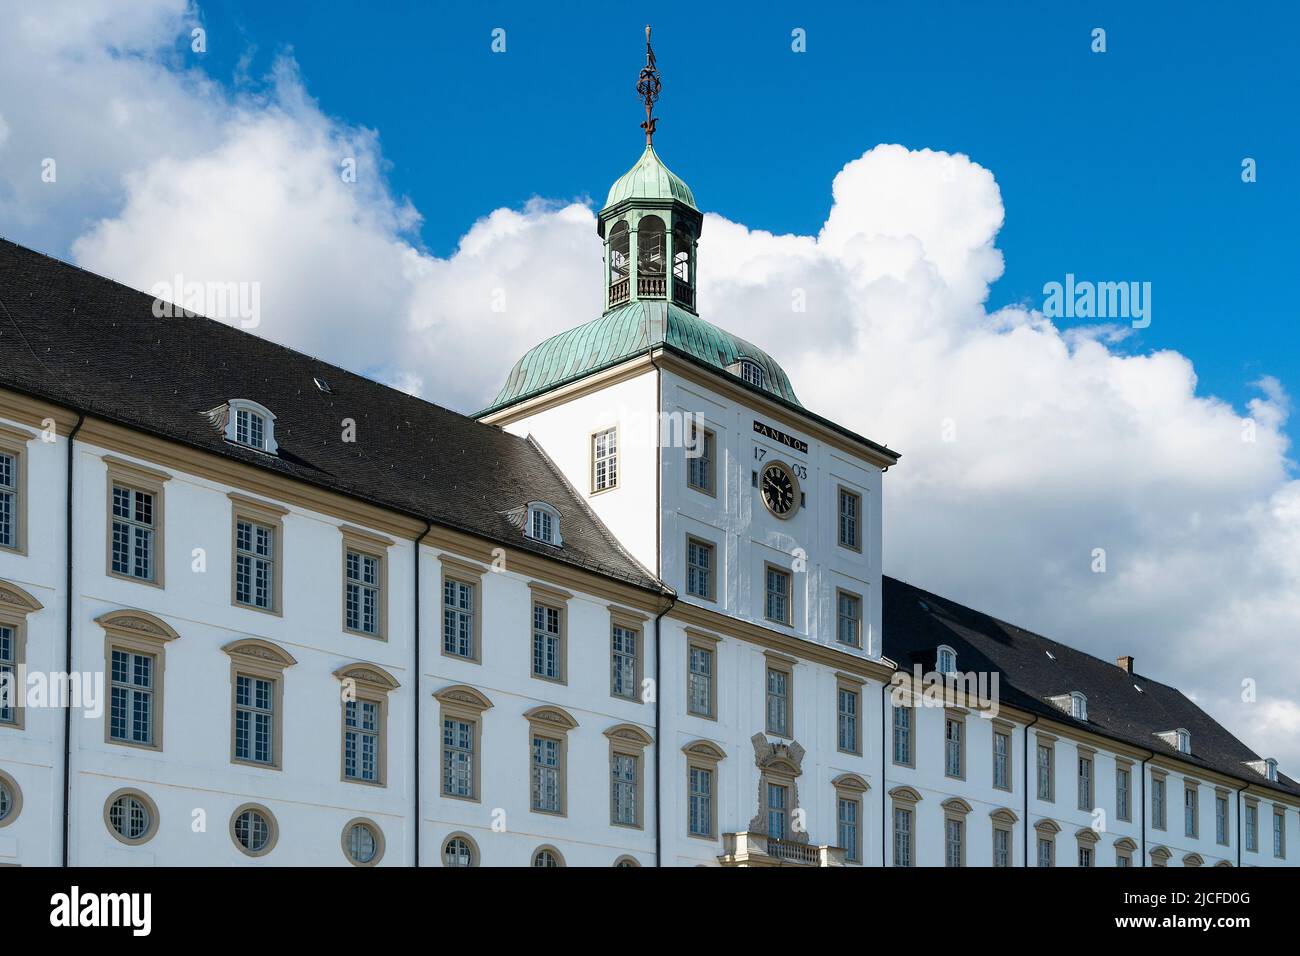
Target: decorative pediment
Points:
x,y
1047,826
906,794
1125,843
1193,859
463,695
1004,815
13,598
704,749
850,781
1086,835
263,652
629,733
137,624
781,757
1160,853
371,675
555,718
956,805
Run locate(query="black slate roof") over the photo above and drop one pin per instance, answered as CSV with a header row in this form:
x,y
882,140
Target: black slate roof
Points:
x,y
916,622
82,341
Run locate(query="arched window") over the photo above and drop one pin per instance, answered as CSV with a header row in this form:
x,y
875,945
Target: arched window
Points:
x,y
1078,706
250,424
547,856
946,660
543,523
459,850
363,842
651,257
619,246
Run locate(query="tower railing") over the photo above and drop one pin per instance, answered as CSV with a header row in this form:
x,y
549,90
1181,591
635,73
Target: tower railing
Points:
x,y
684,295
618,291
648,287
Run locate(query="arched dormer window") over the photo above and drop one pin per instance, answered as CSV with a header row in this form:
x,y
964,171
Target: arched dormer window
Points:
x,y
1270,769
543,523
1078,706
251,425
619,265
946,660
1184,741
651,258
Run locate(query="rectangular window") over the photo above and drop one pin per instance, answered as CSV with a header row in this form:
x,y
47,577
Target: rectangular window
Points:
x,y
699,568
254,719
1045,761
133,532
604,460
250,428
848,720
10,694
623,772
1252,827
846,814
131,701
546,796
1046,852
849,624
1279,834
1001,847
1122,789
902,836
952,748
623,662
361,728
1123,860
1189,812
1085,783
700,681
1001,760
1221,820
362,592
254,564
700,460
777,812
850,519
778,701
952,842
547,659
1085,856
701,802
1158,802
777,606
458,758
10,504
903,736
458,619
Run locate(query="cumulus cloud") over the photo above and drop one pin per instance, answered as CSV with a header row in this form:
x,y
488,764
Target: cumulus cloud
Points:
x,y
1029,449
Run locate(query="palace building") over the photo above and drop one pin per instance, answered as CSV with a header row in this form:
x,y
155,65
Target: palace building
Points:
x,y
632,613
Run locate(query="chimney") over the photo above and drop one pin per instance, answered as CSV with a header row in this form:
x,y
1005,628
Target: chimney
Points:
x,y
1125,664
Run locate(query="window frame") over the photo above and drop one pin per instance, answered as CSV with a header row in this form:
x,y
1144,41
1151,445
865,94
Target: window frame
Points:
x,y
552,598
1192,788
1002,728
705,756
16,799
955,716
475,859
628,740
367,544
1124,807
1222,834
259,660
610,456
851,788
150,806
15,607
549,849
1003,821
955,810
842,491
849,684
272,828
466,575
270,445
1159,811
555,539
707,439
548,722
372,685
1045,833
1045,742
709,643
1279,832
634,622
910,736
13,442
711,580
1086,757
376,832
137,632
1250,825
788,576
778,664
840,594
466,704
138,479
270,516
903,799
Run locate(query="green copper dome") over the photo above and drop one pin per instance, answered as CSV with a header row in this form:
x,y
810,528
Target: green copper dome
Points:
x,y
650,179
628,331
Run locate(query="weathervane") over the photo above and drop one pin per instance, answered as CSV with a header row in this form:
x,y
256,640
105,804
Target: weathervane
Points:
x,y
647,87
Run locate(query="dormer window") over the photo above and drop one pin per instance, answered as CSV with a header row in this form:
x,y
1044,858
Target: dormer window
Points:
x,y
1270,769
1184,741
946,660
543,523
251,425
1078,706
751,372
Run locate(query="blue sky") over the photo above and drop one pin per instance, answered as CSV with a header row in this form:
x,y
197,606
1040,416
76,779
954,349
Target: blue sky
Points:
x,y
1117,166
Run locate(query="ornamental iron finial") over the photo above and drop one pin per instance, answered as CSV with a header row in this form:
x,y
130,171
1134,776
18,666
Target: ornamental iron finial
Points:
x,y
647,87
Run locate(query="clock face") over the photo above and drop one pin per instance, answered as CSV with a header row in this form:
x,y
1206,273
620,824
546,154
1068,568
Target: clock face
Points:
x,y
779,489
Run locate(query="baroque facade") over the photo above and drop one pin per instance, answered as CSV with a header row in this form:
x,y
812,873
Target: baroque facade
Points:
x,y
632,613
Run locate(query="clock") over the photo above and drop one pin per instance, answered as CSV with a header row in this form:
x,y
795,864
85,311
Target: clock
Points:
x,y
780,489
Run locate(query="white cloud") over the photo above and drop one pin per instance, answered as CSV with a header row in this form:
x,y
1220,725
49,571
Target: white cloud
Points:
x,y
1064,443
